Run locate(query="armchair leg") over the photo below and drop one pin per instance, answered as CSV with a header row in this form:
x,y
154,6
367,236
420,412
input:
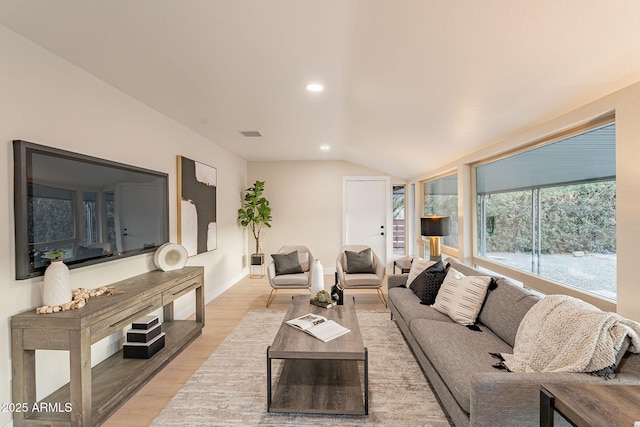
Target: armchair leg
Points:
x,y
272,295
381,295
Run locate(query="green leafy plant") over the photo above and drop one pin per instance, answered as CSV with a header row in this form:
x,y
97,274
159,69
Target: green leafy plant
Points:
x,y
255,212
55,254
322,296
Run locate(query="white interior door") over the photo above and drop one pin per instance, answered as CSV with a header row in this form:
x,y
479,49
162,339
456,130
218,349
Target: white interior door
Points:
x,y
367,213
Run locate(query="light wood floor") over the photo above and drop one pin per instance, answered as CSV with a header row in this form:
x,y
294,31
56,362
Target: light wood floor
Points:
x,y
221,317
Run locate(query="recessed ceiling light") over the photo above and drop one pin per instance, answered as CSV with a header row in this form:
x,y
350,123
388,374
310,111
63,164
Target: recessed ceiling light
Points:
x,y
325,147
315,87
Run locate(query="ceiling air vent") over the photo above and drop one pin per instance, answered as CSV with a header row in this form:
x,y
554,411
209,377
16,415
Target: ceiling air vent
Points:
x,y
251,133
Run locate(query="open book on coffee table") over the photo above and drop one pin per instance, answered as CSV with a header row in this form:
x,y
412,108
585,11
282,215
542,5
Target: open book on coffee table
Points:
x,y
318,326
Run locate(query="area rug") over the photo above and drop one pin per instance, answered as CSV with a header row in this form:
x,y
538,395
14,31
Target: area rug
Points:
x,y
230,387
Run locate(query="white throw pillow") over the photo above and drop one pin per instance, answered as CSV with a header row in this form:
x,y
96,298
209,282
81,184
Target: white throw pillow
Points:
x,y
460,297
418,265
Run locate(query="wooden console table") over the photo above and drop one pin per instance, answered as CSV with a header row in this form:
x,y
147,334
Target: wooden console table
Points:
x,y
92,395
590,405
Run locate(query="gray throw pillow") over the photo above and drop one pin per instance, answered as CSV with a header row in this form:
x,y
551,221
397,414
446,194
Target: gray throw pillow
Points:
x,y
360,262
287,263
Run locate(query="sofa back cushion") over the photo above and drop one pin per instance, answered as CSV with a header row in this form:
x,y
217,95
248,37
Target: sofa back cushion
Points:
x,y
504,307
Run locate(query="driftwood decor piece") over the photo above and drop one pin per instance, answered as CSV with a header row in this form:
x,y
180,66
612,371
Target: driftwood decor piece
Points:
x,y
80,298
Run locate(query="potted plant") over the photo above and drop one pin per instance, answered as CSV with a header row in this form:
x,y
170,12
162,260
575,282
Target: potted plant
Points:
x,y
55,254
255,214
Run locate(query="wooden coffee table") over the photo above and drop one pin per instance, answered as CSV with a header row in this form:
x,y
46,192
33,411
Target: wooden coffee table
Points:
x,y
319,377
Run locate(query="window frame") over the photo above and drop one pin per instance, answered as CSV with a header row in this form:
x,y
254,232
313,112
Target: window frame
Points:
x,y
530,280
424,242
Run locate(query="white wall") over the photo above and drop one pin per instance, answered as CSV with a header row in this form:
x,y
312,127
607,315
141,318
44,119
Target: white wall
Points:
x,y
626,104
46,100
306,203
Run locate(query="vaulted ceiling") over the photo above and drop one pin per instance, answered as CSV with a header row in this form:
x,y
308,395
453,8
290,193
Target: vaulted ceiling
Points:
x,y
409,84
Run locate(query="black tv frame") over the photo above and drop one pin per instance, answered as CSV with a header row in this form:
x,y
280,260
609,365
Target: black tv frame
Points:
x,y
22,152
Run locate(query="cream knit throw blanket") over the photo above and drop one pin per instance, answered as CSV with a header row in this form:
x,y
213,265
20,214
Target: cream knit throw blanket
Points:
x,y
564,334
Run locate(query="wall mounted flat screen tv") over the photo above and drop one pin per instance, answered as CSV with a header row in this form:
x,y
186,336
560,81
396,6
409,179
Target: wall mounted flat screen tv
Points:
x,y
95,210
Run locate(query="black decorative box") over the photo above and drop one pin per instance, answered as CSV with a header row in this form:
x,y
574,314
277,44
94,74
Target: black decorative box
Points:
x,y
144,335
147,322
141,350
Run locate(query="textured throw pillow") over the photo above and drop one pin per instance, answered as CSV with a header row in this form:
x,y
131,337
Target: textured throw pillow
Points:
x,y
360,262
427,284
418,265
460,297
287,263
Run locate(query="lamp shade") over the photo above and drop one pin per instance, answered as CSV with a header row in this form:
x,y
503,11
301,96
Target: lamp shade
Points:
x,y
434,226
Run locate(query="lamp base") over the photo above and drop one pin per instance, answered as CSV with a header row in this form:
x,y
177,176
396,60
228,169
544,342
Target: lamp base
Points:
x,y
434,248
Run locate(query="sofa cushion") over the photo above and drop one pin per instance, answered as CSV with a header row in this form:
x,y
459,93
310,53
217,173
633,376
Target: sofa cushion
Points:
x,y
354,280
293,280
458,353
427,284
396,280
288,263
360,262
461,297
505,307
409,307
418,265
463,268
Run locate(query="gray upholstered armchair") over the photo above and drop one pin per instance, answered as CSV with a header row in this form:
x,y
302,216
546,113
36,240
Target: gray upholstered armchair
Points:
x,y
365,271
285,273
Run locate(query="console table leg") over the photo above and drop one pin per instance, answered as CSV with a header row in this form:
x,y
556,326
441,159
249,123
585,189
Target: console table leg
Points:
x,y
167,312
200,305
546,408
23,377
80,381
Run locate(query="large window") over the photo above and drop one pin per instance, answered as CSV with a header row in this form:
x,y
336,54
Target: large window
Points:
x,y
551,211
441,198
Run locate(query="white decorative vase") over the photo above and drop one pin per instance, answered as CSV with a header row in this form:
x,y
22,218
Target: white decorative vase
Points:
x,y
317,278
56,289
170,256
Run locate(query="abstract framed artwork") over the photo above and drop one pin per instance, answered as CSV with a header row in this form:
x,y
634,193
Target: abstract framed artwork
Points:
x,y
197,214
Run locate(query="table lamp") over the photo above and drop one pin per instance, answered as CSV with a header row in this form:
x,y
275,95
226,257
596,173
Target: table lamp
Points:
x,y
434,227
